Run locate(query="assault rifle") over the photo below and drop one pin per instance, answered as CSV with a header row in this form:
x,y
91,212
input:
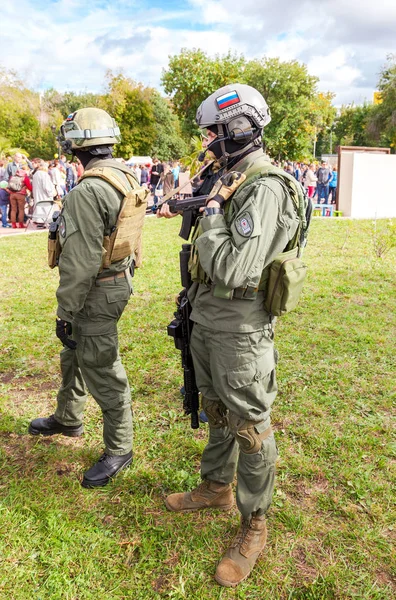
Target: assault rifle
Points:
x,y
189,207
180,329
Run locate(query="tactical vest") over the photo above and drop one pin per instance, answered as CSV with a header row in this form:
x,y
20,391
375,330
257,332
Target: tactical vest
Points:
x,y
281,280
126,236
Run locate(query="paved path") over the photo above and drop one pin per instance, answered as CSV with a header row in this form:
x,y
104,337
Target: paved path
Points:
x,y
5,231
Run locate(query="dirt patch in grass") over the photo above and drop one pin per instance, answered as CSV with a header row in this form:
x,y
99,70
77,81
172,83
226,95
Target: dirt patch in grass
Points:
x,y
385,579
172,560
305,571
32,381
21,453
162,584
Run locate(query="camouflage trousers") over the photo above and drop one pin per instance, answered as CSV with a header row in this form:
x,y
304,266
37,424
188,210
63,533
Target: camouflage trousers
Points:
x,y
96,365
235,374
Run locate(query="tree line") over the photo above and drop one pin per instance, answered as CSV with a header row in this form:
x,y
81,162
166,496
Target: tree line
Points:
x,y
304,120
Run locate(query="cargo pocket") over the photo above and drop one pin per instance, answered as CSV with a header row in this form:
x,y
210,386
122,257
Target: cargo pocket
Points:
x,y
100,350
255,382
117,299
252,372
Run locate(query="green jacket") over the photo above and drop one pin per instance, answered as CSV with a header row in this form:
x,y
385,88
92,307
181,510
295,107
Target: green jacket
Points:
x,y
234,250
89,212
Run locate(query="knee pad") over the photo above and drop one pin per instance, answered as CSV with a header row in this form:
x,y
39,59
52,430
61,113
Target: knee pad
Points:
x,y
248,434
216,412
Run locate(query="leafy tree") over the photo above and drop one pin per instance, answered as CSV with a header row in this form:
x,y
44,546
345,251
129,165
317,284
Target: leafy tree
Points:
x,y
6,149
24,121
60,105
192,75
351,126
129,104
382,124
297,110
296,107
168,142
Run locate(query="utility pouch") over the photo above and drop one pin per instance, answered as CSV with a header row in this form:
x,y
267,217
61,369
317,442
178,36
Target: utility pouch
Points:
x,y
194,264
54,247
287,274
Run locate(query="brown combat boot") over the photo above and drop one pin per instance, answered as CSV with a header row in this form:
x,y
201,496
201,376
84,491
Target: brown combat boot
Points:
x,y
243,553
209,494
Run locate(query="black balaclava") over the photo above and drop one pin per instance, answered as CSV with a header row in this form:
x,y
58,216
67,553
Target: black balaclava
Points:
x,y
100,152
228,150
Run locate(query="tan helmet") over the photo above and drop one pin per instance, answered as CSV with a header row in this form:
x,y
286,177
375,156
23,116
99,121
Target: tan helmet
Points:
x,y
88,127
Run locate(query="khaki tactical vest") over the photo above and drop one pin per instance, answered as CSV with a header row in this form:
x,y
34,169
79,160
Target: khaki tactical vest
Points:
x,y
126,237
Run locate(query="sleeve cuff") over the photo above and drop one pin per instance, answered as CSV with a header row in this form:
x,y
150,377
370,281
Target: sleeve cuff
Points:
x,y
63,314
213,222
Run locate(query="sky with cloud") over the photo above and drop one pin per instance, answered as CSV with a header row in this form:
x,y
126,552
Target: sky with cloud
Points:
x,y
70,44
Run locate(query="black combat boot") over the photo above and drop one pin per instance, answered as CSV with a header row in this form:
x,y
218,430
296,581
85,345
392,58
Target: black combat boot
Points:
x,y
105,469
50,426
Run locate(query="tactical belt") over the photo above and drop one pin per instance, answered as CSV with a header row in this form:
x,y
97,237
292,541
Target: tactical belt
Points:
x,y
246,293
241,293
110,278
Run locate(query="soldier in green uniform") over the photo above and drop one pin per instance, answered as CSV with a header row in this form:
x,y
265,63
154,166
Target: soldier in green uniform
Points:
x,y
94,289
248,220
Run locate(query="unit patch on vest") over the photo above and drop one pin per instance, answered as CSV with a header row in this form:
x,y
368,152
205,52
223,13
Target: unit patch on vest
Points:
x,y
244,225
62,227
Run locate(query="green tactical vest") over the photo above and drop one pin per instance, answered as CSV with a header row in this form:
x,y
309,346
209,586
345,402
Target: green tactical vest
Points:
x,y
283,278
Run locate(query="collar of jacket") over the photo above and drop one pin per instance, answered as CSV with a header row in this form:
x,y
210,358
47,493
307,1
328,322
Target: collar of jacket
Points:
x,y
248,161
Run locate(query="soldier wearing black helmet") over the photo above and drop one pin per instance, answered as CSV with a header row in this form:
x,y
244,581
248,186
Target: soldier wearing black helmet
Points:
x,y
248,220
94,289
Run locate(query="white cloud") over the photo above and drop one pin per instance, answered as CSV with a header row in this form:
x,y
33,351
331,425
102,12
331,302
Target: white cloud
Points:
x,y
70,44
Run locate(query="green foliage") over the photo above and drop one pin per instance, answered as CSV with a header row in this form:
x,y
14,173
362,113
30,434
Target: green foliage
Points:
x,y
297,110
60,105
350,126
287,87
191,160
168,142
382,126
148,125
6,149
128,103
192,75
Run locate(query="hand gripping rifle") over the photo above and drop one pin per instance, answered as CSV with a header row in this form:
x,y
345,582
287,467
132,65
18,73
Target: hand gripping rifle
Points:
x,y
190,209
180,329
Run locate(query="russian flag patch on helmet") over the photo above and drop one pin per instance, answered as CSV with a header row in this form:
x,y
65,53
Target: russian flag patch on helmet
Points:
x,y
227,99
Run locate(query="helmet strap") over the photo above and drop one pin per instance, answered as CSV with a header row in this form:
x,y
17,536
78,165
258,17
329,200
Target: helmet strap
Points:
x,y
223,136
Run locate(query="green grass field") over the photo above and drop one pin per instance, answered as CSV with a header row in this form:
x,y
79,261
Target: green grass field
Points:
x,y
332,522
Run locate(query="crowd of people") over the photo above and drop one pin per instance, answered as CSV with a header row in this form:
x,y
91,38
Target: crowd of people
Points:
x,y
320,180
24,183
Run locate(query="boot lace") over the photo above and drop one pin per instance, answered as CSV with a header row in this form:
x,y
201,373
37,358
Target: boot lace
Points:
x,y
241,535
204,485
103,457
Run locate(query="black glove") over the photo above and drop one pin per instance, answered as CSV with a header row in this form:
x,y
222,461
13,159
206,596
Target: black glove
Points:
x,y
63,330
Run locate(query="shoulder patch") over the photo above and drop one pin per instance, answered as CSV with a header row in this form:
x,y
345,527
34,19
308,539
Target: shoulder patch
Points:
x,y
244,225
